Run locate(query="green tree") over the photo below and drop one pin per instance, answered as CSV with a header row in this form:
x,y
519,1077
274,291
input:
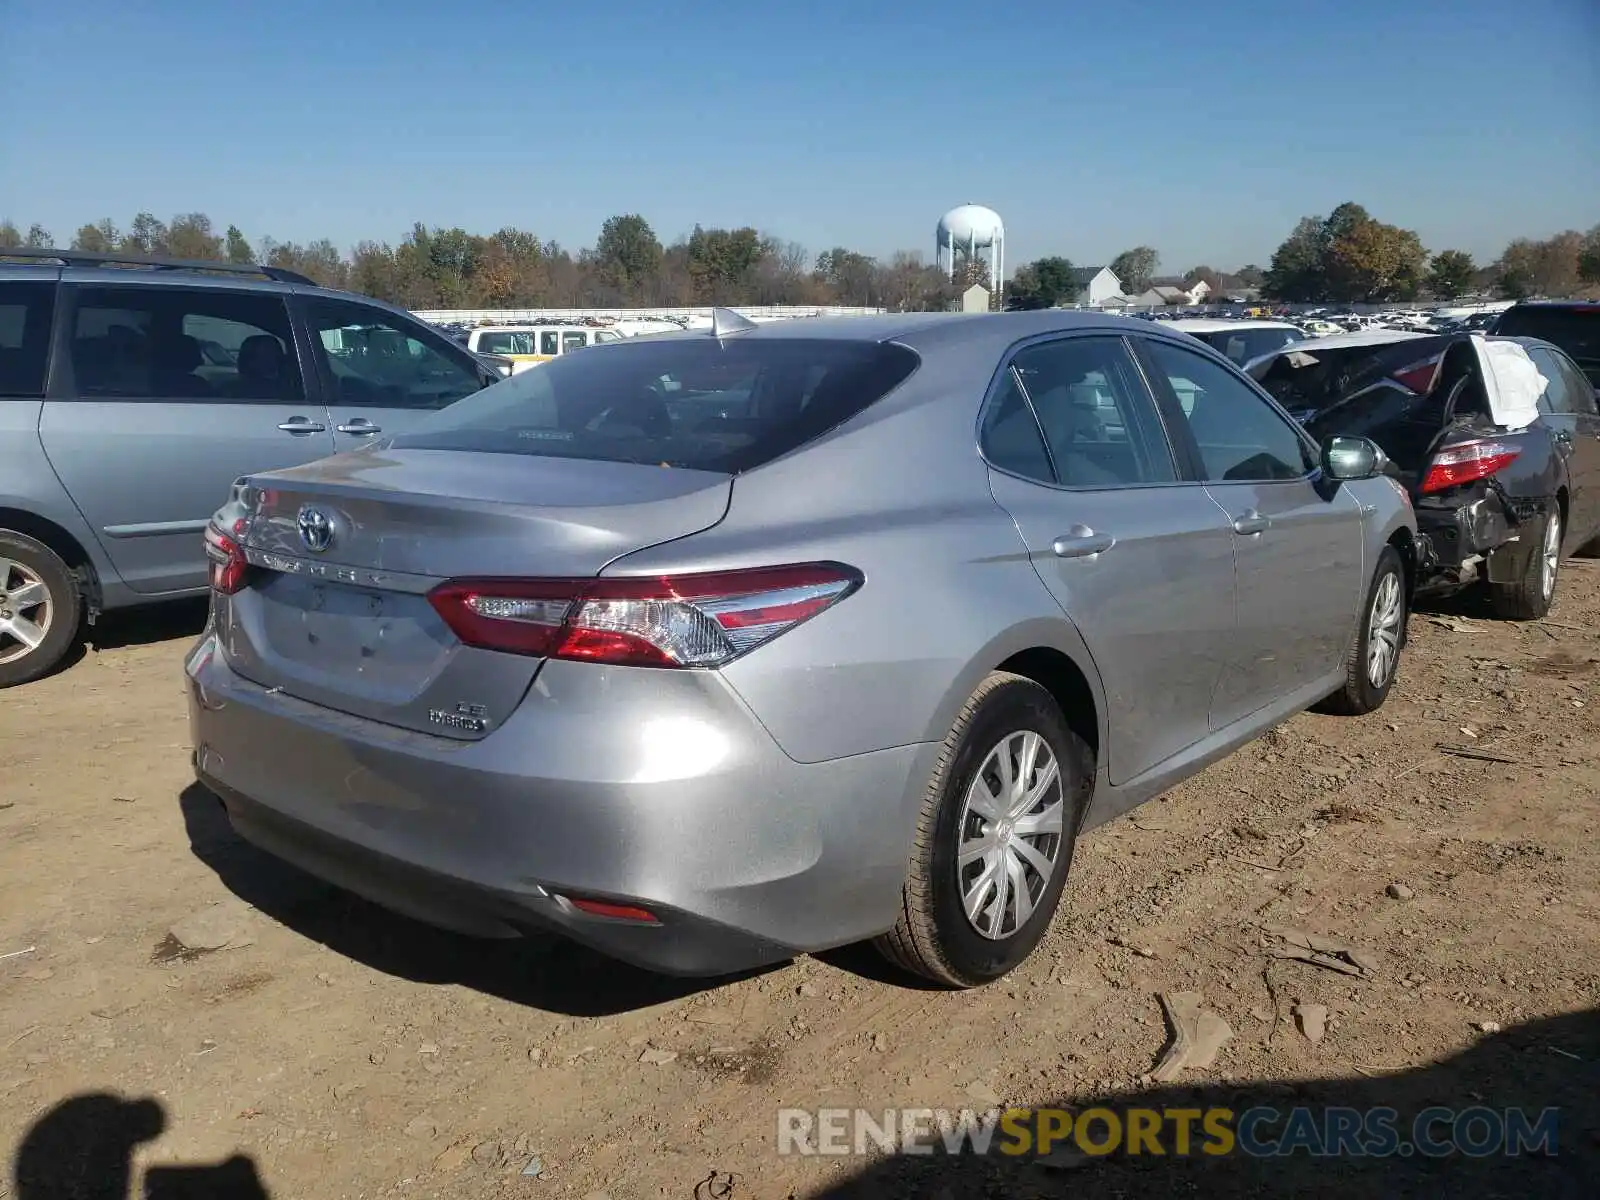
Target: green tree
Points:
x,y
145,236
10,236
627,255
319,261
1589,257
722,262
1250,276
189,236
99,238
38,238
1043,283
1135,268
1349,256
1296,271
1552,267
850,278
1368,261
1451,274
236,247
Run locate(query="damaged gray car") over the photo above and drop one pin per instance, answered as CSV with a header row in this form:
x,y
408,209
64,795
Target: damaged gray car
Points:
x,y
1496,438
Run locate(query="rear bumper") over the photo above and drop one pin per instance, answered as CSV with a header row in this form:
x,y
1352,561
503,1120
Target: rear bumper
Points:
x,y
655,789
1461,536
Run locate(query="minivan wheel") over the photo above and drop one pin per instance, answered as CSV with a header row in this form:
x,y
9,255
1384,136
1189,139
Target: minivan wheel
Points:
x,y
995,839
1373,659
40,608
1529,597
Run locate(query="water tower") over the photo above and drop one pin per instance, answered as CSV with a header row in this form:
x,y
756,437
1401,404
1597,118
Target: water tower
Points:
x,y
972,228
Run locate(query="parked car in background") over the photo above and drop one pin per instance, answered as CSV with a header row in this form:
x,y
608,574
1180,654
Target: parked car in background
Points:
x,y
1496,439
133,391
1239,340
849,634
527,346
1572,325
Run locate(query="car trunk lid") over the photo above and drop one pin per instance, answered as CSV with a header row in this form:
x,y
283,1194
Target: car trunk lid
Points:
x,y
344,552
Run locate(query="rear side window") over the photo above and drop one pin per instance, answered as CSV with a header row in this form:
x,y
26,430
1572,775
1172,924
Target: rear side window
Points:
x,y
692,402
26,307
178,344
1099,422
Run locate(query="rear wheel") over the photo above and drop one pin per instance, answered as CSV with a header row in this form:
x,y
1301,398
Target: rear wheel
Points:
x,y
1529,597
995,840
40,608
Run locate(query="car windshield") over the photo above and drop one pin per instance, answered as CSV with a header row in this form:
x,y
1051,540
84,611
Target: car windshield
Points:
x,y
1575,329
680,401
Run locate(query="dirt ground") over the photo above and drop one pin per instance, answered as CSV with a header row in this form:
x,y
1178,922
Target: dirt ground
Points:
x,y
346,1052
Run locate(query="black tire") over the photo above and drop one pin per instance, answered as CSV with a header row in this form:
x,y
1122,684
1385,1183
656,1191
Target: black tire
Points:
x,y
1529,596
933,937
1362,694
64,614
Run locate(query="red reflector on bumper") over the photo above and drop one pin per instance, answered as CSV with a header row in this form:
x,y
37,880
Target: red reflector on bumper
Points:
x,y
617,912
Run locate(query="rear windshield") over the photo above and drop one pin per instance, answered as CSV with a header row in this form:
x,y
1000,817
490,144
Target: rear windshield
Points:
x,y
1242,345
681,401
1305,384
1576,330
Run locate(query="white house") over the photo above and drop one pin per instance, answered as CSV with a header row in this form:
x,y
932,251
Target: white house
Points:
x,y
1095,286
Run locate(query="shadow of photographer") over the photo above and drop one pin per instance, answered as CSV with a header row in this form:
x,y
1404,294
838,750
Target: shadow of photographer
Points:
x,y
83,1148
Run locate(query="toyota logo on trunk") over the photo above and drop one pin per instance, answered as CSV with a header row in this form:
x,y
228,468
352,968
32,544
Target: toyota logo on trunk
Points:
x,y
316,530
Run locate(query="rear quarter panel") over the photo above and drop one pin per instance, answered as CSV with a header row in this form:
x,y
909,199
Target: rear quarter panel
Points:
x,y
901,495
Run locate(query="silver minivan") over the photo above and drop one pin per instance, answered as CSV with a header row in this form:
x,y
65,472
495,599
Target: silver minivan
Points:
x,y
133,391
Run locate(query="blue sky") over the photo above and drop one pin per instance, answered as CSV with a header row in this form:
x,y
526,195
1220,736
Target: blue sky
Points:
x,y
1202,128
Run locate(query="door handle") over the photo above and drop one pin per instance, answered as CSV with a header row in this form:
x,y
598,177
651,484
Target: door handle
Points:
x,y
1081,542
301,426
359,426
1250,522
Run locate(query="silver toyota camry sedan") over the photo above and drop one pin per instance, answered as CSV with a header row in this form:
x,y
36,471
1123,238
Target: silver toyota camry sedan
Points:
x,y
714,648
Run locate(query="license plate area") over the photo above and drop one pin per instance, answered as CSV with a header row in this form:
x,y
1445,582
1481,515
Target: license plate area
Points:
x,y
341,629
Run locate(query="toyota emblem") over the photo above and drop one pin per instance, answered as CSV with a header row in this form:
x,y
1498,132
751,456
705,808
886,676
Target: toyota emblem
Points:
x,y
316,530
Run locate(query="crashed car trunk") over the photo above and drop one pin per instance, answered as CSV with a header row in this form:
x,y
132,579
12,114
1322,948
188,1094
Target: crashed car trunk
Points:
x,y
1458,417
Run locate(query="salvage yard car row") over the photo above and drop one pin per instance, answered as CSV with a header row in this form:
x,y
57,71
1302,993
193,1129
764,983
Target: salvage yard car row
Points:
x,y
895,607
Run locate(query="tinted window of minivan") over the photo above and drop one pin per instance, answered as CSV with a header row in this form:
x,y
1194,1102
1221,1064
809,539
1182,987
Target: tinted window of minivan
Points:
x,y
172,343
26,307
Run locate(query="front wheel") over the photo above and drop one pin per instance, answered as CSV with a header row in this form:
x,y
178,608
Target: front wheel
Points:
x,y
999,822
1373,659
1528,597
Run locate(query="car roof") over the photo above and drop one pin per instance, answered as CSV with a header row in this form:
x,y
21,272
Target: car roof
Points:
x,y
1580,305
926,330
1223,324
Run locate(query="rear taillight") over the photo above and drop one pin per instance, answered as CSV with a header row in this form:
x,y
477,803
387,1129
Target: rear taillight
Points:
x,y
229,568
702,620
1421,377
1467,462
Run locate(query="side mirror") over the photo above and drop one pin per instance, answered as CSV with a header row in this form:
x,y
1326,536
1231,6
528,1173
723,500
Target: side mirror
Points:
x,y
1353,458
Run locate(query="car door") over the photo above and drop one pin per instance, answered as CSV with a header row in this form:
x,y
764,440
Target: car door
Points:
x,y
1586,410
167,394
1297,539
381,371
1136,555
1569,412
